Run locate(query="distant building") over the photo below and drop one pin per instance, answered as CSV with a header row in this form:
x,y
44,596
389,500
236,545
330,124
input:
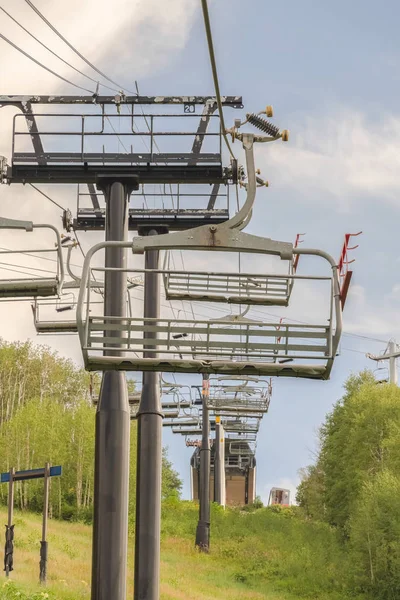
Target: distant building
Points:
x,y
240,474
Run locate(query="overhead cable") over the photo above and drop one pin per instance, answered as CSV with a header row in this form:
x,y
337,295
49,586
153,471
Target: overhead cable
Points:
x,y
46,196
215,72
37,11
3,37
54,53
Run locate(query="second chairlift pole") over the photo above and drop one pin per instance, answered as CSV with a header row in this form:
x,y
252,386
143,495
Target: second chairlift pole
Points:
x,y
149,454
219,463
203,526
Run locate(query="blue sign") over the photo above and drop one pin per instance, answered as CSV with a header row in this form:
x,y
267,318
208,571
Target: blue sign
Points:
x,y
31,474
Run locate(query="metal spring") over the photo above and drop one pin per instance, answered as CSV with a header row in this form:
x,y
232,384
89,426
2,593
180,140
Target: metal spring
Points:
x,y
263,124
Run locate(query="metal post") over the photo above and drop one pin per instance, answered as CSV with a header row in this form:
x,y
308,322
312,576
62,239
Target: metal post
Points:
x,y
43,543
149,454
111,484
203,526
9,547
219,463
392,363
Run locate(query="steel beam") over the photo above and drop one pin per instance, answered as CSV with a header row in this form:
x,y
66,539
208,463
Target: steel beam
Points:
x,y
17,100
176,222
86,173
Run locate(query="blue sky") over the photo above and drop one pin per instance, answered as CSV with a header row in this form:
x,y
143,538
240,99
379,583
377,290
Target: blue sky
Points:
x,y
331,72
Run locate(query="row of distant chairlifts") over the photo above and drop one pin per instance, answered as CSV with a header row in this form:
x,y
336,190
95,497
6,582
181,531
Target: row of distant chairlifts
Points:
x,y
239,352
239,402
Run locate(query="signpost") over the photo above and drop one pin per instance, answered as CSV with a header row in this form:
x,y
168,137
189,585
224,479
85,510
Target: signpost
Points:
x,y
11,477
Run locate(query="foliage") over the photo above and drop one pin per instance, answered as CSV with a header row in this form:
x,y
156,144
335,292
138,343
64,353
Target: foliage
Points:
x,y
253,556
355,484
35,372
375,535
50,418
273,544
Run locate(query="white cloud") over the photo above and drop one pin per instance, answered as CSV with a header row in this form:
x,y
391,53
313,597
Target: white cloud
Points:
x,y
127,40
129,36
339,159
363,316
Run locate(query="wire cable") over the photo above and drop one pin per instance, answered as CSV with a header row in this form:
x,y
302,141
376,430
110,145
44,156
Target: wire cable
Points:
x,y
54,53
38,256
210,43
37,11
48,197
26,267
3,37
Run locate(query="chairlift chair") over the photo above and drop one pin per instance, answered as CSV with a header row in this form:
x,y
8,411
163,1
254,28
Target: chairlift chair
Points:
x,y
46,327
241,448
233,345
33,287
238,396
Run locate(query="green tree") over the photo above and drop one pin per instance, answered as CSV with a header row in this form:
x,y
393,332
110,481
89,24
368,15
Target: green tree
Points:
x,y
47,416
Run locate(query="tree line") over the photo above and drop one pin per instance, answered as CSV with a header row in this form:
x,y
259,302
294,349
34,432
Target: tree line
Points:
x,y
46,415
354,485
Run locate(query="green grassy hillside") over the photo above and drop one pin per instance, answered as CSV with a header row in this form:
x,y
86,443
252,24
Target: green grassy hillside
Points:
x,y
255,555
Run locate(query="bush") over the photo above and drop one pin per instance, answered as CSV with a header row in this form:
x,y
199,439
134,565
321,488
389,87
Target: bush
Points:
x,y
375,535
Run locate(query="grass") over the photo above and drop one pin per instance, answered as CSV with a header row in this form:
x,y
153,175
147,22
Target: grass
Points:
x,y
254,556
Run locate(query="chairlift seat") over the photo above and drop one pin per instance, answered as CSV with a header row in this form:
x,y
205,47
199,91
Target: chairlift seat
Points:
x,y
46,327
247,288
29,288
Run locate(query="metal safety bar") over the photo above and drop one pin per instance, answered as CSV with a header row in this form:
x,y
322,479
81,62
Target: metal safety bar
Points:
x,y
80,133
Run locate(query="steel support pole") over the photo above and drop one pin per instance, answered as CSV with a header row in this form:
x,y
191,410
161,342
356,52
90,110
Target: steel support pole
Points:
x,y
149,454
44,543
9,546
219,463
203,526
392,363
111,477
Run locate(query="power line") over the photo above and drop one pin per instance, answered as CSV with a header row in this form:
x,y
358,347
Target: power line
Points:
x,y
48,197
19,272
37,11
214,72
3,37
54,53
26,267
38,257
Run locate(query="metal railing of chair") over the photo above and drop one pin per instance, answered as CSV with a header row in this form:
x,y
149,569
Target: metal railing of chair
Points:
x,y
81,133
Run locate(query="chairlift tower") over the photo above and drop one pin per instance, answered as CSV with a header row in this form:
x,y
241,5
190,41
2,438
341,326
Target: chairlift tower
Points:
x,y
111,177
115,343
391,354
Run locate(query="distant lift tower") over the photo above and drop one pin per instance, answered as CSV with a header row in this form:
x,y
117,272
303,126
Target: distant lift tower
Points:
x,y
240,473
391,353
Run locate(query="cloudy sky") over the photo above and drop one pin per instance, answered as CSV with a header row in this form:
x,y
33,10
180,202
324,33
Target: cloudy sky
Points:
x,y
331,72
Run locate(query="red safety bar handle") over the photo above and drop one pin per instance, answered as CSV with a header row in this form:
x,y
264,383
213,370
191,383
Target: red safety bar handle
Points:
x,y
344,274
